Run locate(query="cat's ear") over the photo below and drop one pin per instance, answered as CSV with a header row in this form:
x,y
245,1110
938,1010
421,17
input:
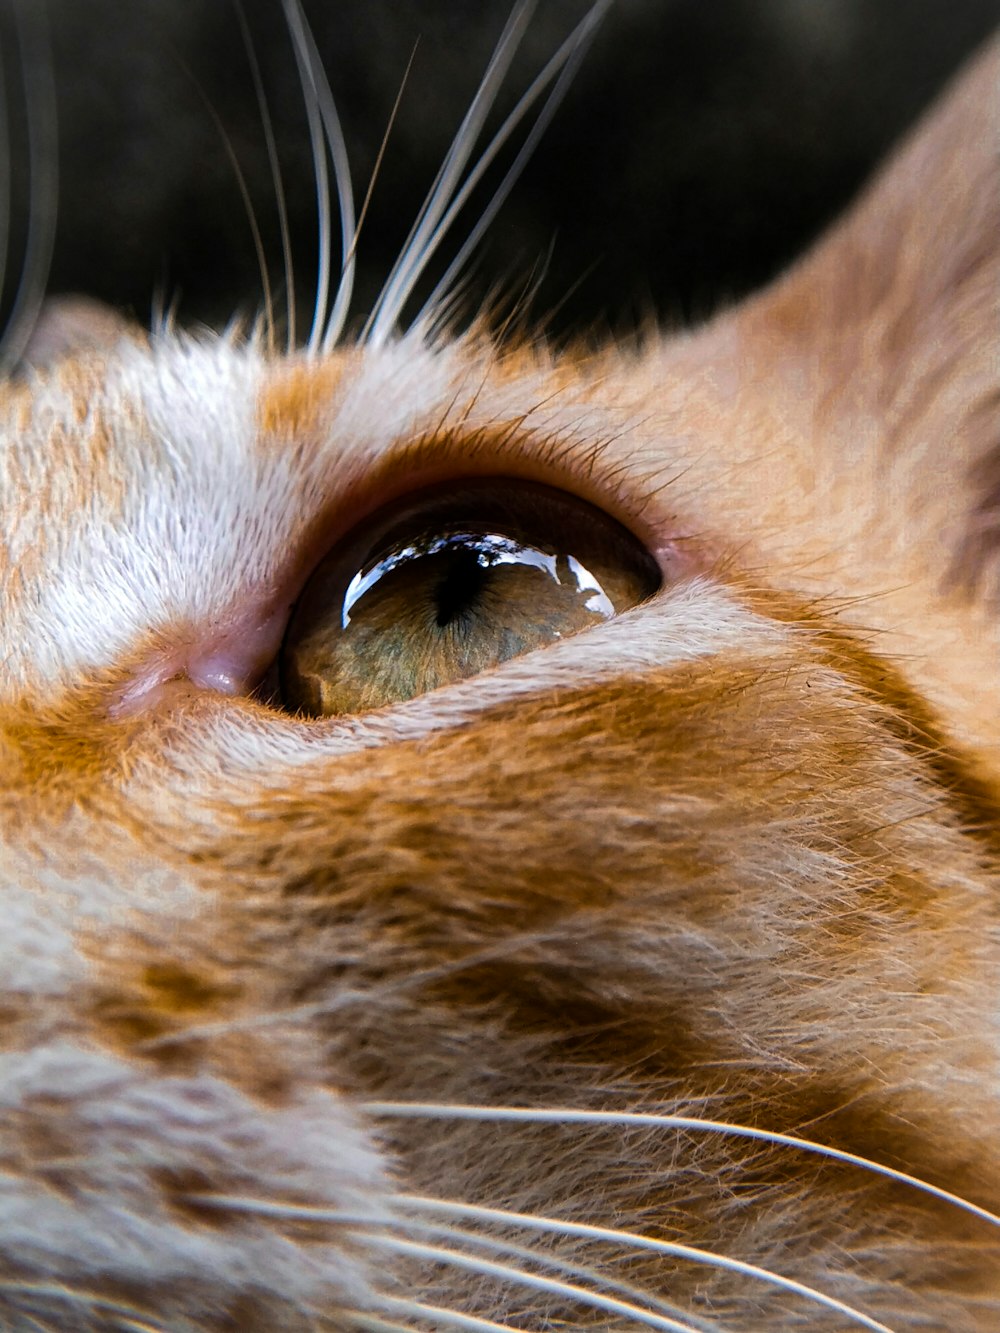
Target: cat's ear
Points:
x,y
69,325
893,322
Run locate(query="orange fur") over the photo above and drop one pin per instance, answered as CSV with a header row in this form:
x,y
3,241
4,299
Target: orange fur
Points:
x,y
730,856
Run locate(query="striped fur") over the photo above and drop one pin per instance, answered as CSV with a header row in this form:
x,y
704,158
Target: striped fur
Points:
x,y
731,856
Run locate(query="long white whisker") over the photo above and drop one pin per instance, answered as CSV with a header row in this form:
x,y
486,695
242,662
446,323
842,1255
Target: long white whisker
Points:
x,y
522,1278
444,1110
294,21
676,1319
36,1323
43,185
345,200
446,1318
412,258
565,63
274,165
5,175
531,1221
323,101
370,1323
54,1291
632,1239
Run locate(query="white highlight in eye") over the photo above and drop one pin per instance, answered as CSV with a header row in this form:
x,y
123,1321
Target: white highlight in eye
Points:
x,y
489,549
600,603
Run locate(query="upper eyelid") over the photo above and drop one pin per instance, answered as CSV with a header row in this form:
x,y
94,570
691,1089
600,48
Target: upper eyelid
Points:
x,y
586,469
464,428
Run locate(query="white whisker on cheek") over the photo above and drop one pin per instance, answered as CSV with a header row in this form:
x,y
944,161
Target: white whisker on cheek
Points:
x,y
441,1317
624,1119
58,1296
639,1303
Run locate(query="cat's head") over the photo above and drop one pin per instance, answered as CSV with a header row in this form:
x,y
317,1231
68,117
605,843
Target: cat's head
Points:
x,y
460,800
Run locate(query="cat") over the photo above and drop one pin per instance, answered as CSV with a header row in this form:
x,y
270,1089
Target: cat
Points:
x,y
498,838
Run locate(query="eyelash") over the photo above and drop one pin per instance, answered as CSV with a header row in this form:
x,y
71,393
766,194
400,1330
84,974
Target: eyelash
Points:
x,y
512,558
452,455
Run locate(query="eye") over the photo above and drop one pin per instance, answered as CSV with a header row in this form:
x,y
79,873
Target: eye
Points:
x,y
453,582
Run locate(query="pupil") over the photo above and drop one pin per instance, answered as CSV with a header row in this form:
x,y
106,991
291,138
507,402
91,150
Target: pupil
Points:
x,y
459,587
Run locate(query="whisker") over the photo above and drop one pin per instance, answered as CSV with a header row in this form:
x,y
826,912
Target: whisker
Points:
x,y
163,316
536,1222
277,180
447,1318
33,1322
320,172
412,258
251,214
127,1314
6,164
534,1281
565,64
43,178
584,1230
345,198
381,152
370,1323
322,110
549,1115
676,1319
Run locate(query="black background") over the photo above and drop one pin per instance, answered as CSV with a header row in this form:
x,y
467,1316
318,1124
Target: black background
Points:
x,y
702,144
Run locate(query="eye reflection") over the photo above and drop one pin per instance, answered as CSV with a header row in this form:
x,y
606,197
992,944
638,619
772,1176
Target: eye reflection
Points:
x,y
486,550
453,584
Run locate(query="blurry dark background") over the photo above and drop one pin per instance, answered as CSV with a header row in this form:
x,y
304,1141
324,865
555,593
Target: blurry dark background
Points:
x,y
701,146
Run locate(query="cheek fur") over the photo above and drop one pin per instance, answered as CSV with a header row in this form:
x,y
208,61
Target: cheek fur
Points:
x,y
595,939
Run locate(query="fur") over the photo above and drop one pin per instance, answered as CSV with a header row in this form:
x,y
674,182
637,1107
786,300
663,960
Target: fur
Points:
x,y
731,856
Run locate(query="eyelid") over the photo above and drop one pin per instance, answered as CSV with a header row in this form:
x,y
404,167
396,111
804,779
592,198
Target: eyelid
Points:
x,y
453,455
429,613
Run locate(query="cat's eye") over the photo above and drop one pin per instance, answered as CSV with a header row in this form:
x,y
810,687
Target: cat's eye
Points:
x,y
452,583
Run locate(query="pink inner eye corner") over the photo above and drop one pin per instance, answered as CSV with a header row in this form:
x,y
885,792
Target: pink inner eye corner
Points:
x,y
230,661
